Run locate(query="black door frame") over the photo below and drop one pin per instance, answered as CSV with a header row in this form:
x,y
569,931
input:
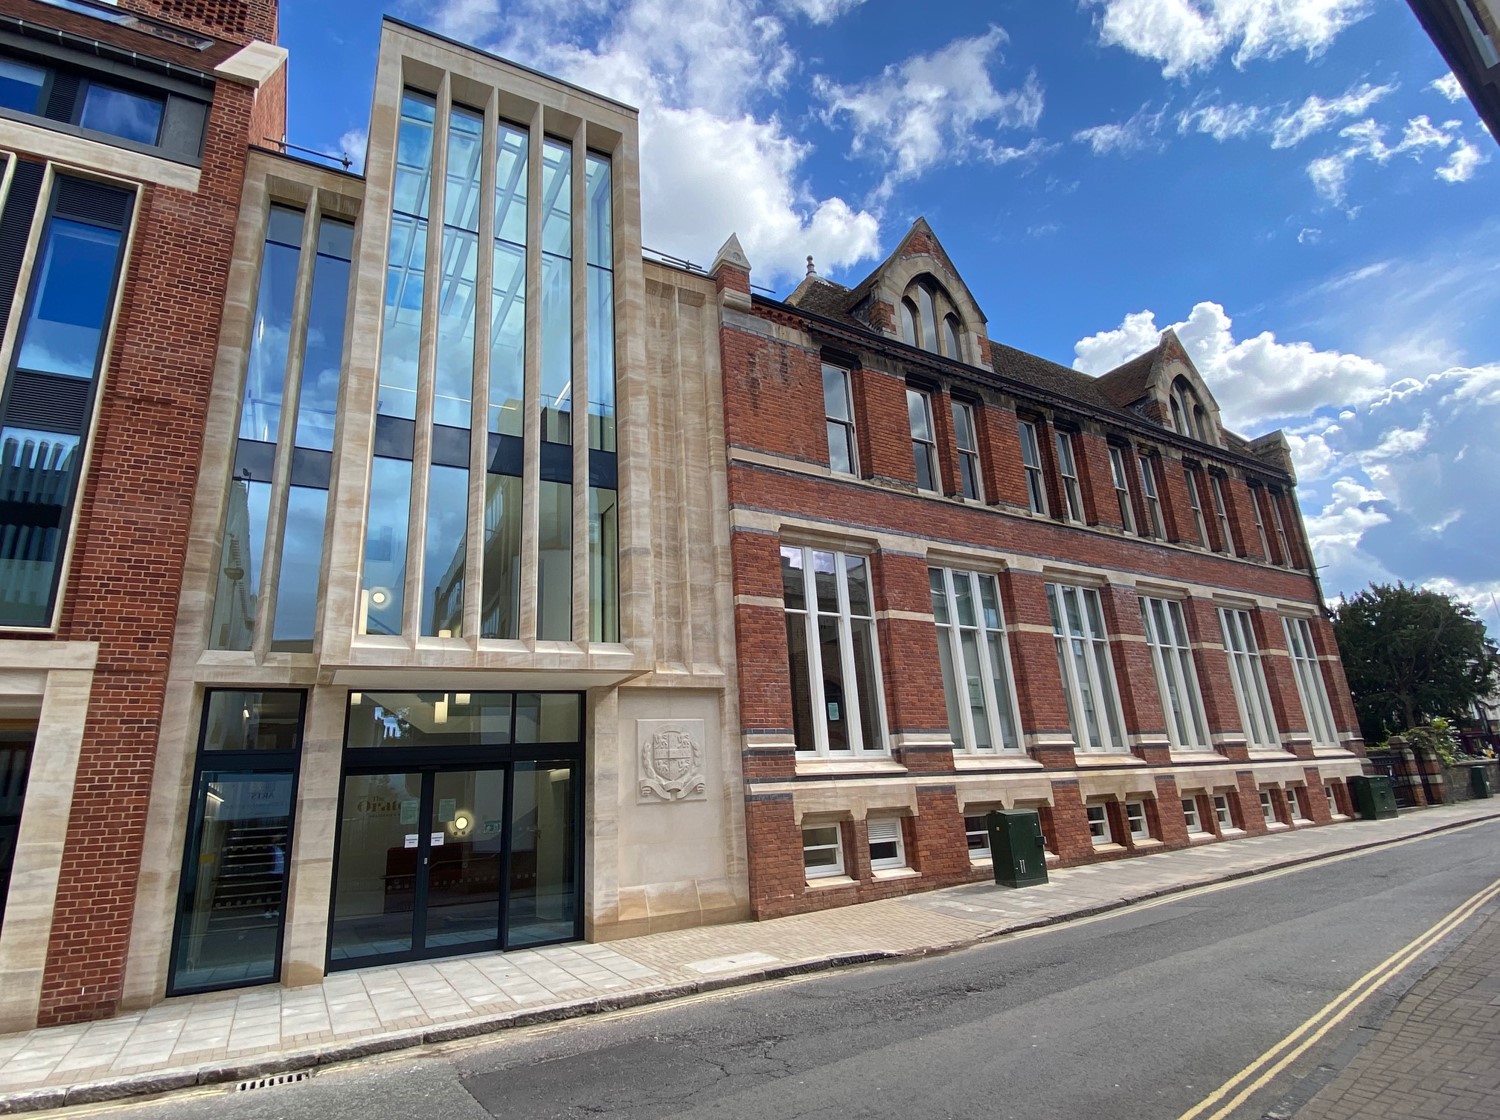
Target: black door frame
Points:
x,y
427,762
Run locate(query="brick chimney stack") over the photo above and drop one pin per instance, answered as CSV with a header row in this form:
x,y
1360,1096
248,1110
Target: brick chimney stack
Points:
x,y
236,21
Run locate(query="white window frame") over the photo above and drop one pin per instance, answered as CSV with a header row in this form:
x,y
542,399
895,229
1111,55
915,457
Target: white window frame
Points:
x,y
1294,807
1195,503
1268,806
1031,464
1223,814
924,444
1156,528
837,847
844,423
885,830
1067,470
977,852
1308,672
1221,511
1330,791
1136,811
1257,717
966,437
997,685
1122,488
1176,674
1098,814
811,614
1191,817
1087,666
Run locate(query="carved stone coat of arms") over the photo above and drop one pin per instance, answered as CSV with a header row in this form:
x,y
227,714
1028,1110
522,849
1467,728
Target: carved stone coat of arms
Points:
x,y
671,760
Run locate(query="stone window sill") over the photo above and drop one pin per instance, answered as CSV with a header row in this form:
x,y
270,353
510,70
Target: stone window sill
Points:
x,y
896,873
823,882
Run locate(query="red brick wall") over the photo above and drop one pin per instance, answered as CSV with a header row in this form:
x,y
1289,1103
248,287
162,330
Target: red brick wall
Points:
x,y
268,119
238,21
773,400
129,551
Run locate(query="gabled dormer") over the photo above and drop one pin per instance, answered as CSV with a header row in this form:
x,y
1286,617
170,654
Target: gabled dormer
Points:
x,y
915,295
1164,386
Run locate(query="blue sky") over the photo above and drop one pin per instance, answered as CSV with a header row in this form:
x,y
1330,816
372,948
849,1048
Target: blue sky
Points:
x,y
1295,185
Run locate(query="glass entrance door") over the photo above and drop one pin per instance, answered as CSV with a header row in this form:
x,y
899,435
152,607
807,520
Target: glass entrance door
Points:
x,y
460,826
427,861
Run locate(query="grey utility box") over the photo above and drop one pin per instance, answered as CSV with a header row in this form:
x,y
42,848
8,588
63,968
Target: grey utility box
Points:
x,y
1017,850
1374,800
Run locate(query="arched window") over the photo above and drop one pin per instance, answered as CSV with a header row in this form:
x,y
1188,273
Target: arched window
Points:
x,y
1189,417
909,323
924,306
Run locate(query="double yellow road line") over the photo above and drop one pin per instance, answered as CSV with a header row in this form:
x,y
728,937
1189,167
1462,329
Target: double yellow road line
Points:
x,y
1254,1077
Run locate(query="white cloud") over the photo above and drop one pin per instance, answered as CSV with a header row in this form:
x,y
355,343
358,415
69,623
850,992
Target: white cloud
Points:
x,y
1187,35
822,11
1309,235
713,160
1124,137
1222,122
1462,164
1448,86
1255,380
1284,125
1366,140
938,108
1316,114
466,20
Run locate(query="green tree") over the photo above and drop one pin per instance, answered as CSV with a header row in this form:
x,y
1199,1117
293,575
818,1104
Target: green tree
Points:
x,y
1412,655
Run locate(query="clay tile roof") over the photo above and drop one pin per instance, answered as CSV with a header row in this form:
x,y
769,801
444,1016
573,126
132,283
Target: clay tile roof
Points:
x,y
1126,384
1049,376
827,299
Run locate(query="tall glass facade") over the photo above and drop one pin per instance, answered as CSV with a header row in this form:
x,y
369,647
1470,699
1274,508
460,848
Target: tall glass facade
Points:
x,y
551,239
280,494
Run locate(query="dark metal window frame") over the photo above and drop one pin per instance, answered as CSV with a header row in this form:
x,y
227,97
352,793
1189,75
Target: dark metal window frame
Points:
x,y
185,106
244,762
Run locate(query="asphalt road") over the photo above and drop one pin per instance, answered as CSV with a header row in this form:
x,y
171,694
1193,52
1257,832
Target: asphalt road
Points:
x,y
1134,1015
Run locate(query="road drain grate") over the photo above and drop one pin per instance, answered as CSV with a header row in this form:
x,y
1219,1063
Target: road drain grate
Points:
x,y
273,1082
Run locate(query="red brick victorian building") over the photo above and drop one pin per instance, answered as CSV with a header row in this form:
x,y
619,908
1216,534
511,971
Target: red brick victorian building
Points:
x,y
967,578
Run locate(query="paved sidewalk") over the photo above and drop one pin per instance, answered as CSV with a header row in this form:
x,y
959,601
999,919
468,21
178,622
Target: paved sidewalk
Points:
x,y
1437,1055
255,1032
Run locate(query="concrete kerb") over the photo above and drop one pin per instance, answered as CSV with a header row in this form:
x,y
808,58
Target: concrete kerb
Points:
x,y
141,1085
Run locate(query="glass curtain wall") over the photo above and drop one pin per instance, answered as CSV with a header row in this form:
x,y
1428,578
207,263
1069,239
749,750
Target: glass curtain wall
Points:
x,y
291,392
604,526
572,256
500,609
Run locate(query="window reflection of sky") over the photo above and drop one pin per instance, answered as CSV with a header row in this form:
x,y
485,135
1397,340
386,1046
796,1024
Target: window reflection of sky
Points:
x,y
20,86
73,292
130,116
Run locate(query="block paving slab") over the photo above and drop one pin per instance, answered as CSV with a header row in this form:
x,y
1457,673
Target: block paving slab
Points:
x,y
256,1032
1438,1052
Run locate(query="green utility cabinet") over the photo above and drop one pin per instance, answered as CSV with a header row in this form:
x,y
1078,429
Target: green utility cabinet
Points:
x,y
1479,781
1017,850
1374,800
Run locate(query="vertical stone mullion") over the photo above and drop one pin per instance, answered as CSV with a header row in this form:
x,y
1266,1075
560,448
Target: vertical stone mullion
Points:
x,y
532,393
479,412
580,385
